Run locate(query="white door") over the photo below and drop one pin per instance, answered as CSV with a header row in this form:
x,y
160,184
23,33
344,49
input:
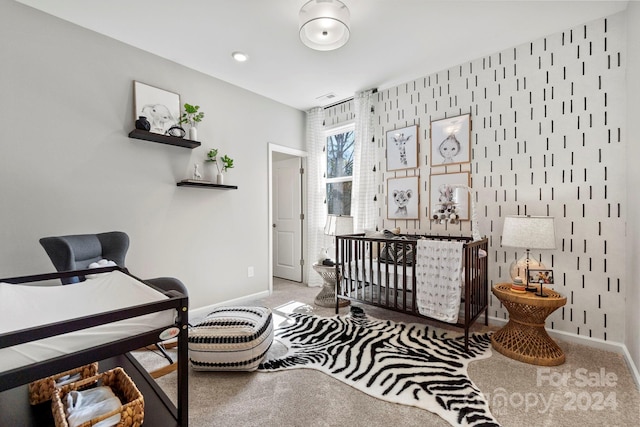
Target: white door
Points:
x,y
287,219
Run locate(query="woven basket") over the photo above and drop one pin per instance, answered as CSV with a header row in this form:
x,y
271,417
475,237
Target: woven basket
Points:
x,y
131,411
42,390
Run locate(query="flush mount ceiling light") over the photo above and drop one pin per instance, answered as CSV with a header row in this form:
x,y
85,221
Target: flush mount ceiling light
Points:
x,y
240,56
324,24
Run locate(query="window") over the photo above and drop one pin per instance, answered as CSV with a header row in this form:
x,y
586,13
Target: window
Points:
x,y
339,149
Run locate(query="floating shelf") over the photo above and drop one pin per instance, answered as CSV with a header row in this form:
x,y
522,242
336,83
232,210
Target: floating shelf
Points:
x,y
206,184
163,139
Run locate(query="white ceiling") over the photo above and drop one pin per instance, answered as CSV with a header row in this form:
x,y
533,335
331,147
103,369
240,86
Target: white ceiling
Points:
x,y
392,41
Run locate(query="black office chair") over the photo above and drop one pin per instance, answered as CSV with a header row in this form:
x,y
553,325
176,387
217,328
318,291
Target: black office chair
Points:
x,y
77,252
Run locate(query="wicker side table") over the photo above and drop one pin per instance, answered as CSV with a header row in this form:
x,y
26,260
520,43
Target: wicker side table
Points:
x,y
524,338
327,296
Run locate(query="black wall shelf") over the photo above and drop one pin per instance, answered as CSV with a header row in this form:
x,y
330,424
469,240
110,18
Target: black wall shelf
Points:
x,y
163,139
205,184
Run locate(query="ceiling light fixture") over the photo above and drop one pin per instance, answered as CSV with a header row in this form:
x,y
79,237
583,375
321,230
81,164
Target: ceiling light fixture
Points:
x,y
240,56
324,24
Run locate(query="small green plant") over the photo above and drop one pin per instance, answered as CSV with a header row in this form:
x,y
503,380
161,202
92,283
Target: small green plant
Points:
x,y
227,162
191,115
212,156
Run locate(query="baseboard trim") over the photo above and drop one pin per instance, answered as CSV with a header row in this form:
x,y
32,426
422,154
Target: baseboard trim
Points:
x,y
615,347
632,367
197,314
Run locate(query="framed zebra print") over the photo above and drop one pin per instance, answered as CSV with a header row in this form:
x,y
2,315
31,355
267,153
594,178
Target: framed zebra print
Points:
x,y
402,148
445,188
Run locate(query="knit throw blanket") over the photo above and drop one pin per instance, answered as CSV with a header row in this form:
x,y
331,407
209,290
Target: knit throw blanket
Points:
x,y
438,279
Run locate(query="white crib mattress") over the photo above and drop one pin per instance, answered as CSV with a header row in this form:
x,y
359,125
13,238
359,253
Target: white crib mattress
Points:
x,y
391,275
395,279
25,306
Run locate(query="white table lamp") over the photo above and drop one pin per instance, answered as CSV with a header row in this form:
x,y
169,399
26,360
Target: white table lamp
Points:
x,y
528,232
336,225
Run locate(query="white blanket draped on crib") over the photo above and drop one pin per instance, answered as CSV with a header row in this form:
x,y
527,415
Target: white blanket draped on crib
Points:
x,y
438,277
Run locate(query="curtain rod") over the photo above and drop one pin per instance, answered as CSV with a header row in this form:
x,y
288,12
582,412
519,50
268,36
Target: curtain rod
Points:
x,y
346,100
338,103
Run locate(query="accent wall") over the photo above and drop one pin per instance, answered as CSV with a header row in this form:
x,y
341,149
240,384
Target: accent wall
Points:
x,y
548,137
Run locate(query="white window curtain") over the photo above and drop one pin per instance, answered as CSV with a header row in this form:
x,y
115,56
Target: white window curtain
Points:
x,y
316,189
363,191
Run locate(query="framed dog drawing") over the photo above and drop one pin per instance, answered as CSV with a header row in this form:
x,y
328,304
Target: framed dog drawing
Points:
x,y
402,148
160,107
403,198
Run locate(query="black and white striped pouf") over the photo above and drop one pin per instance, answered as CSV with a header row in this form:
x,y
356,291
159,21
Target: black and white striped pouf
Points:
x,y
231,339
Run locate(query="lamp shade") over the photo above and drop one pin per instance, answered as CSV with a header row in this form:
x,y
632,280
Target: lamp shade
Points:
x,y
338,225
324,24
530,232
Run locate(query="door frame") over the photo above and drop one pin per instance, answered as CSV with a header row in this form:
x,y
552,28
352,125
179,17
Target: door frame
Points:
x,y
275,148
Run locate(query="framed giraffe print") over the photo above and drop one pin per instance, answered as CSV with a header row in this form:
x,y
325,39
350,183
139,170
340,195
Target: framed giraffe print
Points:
x,y
402,148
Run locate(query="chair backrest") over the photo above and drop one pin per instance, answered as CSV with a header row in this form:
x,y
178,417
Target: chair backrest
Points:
x,y
76,252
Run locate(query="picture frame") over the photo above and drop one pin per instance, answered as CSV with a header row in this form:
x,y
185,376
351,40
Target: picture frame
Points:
x,y
540,276
402,148
442,187
403,198
451,140
159,106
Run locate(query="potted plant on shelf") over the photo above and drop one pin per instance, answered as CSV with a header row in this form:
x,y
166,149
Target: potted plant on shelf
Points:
x,y
192,116
227,163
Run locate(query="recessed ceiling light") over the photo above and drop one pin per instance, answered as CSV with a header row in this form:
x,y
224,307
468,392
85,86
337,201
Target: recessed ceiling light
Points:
x,y
240,56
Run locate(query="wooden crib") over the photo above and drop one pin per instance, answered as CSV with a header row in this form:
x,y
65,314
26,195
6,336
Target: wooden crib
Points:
x,y
380,271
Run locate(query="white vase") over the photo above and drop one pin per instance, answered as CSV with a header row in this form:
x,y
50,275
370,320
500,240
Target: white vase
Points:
x,y
220,179
193,133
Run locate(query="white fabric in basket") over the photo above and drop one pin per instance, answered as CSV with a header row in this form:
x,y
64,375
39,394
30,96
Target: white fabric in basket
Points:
x,y
85,405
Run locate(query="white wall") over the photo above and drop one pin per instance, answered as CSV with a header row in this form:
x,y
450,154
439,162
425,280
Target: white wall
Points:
x,y
67,165
632,337
548,138
587,242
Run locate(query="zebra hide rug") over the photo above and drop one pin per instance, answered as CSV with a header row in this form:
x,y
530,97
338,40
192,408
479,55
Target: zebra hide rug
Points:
x,y
410,364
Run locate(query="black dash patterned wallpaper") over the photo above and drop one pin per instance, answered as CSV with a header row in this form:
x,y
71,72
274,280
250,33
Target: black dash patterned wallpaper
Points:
x,y
547,138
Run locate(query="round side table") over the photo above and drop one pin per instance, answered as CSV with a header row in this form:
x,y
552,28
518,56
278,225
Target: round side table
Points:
x,y
524,338
327,296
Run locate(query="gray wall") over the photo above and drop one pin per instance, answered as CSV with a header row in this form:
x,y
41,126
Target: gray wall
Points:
x,y
67,165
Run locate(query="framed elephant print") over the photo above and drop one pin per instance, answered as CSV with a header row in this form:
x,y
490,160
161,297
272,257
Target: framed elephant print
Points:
x,y
160,107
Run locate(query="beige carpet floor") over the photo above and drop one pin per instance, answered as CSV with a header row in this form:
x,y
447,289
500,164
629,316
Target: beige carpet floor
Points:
x,y
593,387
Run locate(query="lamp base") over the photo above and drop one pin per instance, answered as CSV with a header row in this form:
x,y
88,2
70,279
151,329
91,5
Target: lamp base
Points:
x,y
521,267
